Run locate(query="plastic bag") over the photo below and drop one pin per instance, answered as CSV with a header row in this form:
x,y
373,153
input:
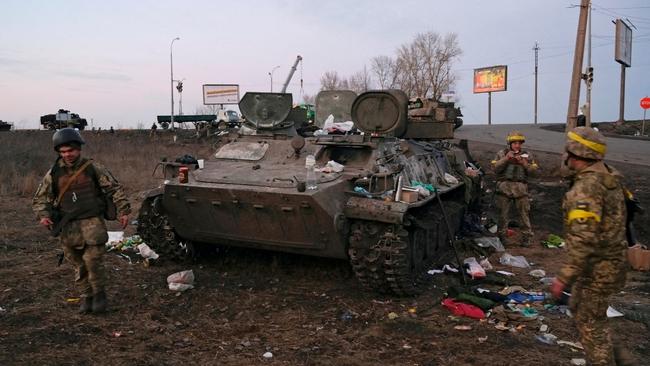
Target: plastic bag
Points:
x,y
475,270
514,261
487,241
181,281
147,252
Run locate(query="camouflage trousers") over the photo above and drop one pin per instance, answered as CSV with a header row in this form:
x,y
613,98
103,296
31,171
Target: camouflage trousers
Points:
x,y
522,205
83,243
589,307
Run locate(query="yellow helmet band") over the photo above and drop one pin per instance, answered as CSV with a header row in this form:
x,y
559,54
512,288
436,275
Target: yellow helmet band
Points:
x,y
516,138
599,148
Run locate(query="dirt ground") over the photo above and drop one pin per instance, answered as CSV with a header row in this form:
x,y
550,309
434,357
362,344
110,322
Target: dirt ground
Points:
x,y
305,311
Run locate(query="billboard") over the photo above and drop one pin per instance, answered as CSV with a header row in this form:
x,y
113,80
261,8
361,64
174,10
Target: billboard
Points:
x,y
623,50
220,94
491,79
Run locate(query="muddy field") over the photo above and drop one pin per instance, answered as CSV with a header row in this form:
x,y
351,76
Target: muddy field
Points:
x,y
246,303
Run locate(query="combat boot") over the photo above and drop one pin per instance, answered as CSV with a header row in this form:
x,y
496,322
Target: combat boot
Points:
x,y
86,305
623,357
99,302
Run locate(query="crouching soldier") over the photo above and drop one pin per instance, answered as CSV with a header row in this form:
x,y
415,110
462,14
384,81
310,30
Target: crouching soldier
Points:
x,y
512,167
72,201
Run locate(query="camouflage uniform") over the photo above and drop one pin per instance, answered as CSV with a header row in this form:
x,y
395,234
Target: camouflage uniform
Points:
x,y
512,187
595,216
83,239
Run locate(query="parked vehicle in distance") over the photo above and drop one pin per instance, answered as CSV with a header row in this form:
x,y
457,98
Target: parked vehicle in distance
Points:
x,y
63,118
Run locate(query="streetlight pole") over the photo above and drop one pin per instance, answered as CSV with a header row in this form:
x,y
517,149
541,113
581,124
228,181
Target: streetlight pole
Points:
x,y
271,75
171,66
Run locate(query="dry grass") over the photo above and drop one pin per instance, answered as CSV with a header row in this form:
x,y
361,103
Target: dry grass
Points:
x,y
131,156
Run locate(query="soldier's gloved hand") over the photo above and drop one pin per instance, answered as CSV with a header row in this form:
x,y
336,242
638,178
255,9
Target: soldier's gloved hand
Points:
x,y
45,221
124,220
557,287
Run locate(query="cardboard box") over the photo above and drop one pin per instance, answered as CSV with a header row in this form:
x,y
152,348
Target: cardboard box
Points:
x,y
409,195
639,259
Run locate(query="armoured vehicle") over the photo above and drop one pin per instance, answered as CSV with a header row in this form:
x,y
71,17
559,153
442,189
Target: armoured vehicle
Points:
x,y
63,118
389,194
5,126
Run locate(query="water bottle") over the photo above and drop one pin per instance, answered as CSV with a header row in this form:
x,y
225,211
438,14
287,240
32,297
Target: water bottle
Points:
x,y
310,179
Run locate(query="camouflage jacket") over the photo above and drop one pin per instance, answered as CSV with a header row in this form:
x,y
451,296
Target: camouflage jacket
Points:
x,y
594,222
43,201
512,177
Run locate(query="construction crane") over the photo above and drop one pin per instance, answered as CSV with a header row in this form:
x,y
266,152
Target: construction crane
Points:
x,y
291,72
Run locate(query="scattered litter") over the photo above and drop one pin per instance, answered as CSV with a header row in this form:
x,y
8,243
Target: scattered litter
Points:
x,y
502,326
146,252
392,315
544,328
575,345
332,167
72,300
547,338
406,346
115,236
482,339
181,281
463,327
2,310
435,271
117,334
493,229
458,308
449,268
123,243
518,261
474,269
485,263
538,273
505,273
412,310
450,179
547,281
553,241
347,316
613,313
363,191
487,241
578,362
267,355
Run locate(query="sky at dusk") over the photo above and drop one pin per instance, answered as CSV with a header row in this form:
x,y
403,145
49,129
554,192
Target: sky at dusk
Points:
x,y
109,61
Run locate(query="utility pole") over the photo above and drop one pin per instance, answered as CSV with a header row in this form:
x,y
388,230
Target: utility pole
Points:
x,y
536,49
589,71
574,94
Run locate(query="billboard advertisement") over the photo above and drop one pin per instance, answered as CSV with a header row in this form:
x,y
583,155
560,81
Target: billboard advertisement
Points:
x,y
491,79
623,51
220,93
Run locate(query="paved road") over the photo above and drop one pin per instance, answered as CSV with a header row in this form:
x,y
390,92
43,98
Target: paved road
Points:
x,y
618,149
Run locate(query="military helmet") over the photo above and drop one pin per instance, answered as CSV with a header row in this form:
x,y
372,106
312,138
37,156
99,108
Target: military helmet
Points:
x,y
67,136
515,136
587,143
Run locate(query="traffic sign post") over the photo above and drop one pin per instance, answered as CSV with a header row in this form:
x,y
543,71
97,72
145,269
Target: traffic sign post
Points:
x,y
645,104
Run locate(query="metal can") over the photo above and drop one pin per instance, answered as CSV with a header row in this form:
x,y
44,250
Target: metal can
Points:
x,y
182,174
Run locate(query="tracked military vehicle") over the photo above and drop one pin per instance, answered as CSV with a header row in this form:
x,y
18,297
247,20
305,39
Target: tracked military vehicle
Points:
x,y
390,211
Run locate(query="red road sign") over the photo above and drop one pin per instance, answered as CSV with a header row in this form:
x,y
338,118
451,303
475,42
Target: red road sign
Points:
x,y
645,103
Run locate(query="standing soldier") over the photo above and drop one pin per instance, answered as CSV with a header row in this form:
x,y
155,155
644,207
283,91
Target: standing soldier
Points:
x,y
71,201
512,167
594,219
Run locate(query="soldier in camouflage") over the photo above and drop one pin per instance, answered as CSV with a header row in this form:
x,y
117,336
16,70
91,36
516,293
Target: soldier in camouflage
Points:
x,y
80,208
512,167
594,219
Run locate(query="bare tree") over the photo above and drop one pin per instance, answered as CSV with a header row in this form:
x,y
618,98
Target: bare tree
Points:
x,y
308,99
385,71
332,81
424,66
360,81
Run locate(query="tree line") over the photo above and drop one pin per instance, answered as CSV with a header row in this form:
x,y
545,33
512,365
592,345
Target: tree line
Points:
x,y
421,68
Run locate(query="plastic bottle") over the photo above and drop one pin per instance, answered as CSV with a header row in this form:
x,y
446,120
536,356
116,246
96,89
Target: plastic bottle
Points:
x,y
310,178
